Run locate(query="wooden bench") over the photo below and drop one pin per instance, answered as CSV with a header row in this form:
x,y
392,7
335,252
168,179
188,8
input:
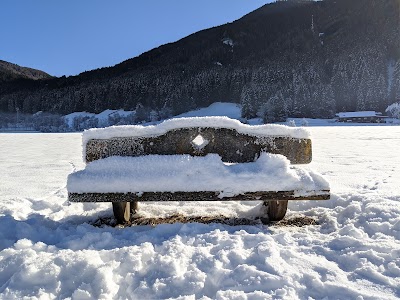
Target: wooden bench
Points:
x,y
233,141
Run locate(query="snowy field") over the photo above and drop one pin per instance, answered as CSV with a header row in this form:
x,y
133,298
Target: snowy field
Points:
x,y
49,251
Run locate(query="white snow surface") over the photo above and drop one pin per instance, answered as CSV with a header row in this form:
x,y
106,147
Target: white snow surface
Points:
x,y
184,173
176,123
48,250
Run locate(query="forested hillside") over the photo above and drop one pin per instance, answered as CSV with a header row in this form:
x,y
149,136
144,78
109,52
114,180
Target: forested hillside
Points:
x,y
9,72
289,58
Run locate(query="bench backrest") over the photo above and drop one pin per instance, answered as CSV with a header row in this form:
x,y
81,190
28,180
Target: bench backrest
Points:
x,y
230,144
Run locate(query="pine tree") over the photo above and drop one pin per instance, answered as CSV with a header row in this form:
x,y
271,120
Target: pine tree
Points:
x,y
247,102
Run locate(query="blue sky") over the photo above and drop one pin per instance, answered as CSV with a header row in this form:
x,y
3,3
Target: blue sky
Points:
x,y
69,37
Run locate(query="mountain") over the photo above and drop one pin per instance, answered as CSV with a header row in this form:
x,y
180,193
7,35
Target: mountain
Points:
x,y
290,58
9,72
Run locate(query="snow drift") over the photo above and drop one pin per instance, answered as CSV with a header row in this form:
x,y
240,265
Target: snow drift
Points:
x,y
49,250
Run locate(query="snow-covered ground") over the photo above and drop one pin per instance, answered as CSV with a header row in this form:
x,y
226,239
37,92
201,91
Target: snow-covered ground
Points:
x,y
49,251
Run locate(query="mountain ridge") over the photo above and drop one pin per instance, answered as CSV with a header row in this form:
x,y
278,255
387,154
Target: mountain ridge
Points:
x,y
10,71
297,58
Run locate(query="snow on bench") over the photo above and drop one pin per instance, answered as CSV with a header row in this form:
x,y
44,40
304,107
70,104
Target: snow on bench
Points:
x,y
185,173
192,159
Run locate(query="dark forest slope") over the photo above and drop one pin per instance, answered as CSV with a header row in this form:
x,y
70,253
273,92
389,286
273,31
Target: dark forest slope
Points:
x,y
9,72
297,58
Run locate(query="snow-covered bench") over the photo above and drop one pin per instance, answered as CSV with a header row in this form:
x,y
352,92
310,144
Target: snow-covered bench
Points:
x,y
196,159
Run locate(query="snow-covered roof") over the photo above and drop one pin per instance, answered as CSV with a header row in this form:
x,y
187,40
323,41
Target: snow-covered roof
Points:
x,y
358,114
207,122
185,173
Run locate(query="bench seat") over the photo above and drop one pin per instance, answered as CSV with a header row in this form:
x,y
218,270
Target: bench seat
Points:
x,y
155,174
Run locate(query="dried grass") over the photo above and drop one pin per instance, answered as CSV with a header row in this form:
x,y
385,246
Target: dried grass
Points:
x,y
297,221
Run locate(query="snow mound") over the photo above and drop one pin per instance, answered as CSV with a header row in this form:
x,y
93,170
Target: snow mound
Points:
x,y
210,122
184,173
230,110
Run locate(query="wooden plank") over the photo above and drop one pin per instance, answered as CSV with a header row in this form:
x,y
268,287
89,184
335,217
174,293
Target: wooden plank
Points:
x,y
228,143
195,196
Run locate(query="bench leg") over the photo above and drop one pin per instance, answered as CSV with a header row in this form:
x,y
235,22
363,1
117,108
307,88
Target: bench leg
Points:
x,y
276,209
134,207
123,211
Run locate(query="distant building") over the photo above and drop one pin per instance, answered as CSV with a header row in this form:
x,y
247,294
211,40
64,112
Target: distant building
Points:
x,y
361,117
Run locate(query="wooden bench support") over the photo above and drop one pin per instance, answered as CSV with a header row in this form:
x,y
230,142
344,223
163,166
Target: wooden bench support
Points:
x,y
123,211
276,210
194,196
126,204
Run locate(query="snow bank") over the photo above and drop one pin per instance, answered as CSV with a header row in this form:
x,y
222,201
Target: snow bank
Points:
x,y
184,173
211,122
